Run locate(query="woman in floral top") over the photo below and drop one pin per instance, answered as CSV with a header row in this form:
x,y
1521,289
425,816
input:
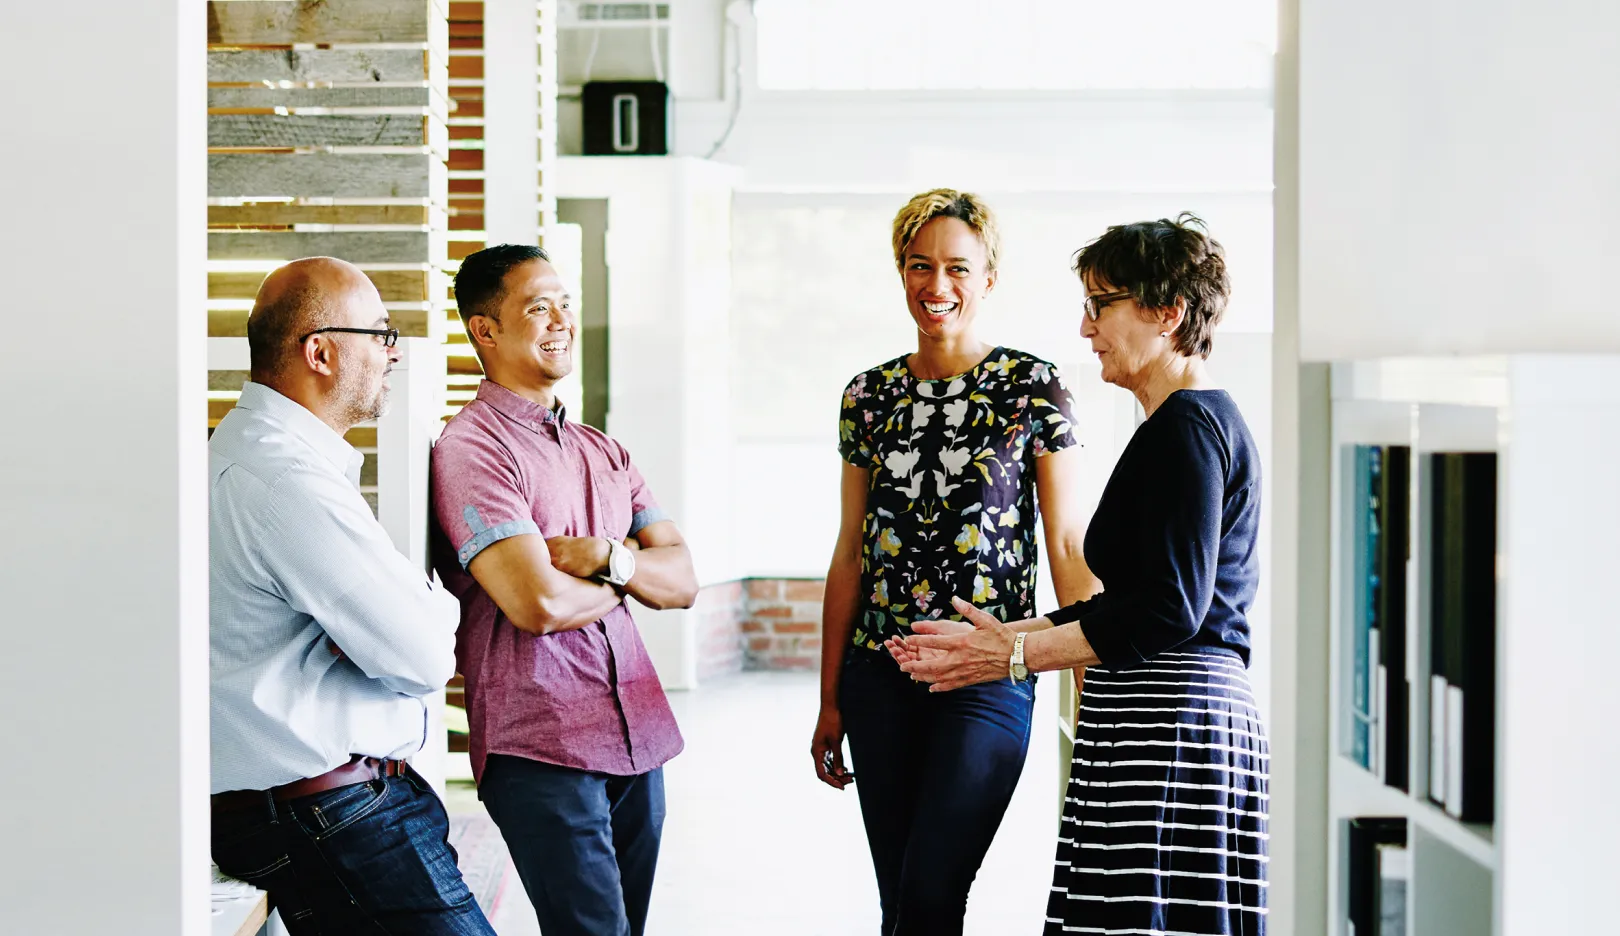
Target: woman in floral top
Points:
x,y
946,451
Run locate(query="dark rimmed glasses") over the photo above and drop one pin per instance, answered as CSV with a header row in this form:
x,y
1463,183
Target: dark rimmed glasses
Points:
x,y
390,336
1094,305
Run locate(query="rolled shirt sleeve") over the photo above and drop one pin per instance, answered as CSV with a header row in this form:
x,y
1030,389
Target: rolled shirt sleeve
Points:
x,y
331,560
644,509
479,497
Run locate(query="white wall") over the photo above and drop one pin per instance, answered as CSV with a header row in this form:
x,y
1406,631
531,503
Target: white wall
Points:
x,y
103,477
669,285
1458,183
1557,645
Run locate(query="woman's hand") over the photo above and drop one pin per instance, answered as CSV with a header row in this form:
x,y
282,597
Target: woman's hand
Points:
x,y
827,748
903,652
967,659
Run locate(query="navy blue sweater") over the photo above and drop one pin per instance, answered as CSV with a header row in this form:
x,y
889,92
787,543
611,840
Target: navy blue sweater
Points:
x,y
1173,538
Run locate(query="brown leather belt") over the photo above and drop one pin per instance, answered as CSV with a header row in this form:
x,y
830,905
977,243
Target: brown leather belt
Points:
x,y
357,770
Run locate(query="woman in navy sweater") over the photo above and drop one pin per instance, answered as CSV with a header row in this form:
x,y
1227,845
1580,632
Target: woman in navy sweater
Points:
x,y
1164,825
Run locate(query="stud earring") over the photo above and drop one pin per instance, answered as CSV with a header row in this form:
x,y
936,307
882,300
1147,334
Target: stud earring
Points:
x,y
1164,334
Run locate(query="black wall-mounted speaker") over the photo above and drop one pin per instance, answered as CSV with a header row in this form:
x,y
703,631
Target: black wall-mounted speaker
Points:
x,y
626,118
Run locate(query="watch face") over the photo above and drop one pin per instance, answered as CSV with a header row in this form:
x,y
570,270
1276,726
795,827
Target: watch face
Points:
x,y
1022,672
622,564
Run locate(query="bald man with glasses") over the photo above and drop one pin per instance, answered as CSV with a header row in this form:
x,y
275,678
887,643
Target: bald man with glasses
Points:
x,y
324,640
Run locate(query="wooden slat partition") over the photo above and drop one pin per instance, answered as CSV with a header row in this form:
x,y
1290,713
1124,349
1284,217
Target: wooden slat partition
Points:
x,y
329,151
284,23
263,67
467,178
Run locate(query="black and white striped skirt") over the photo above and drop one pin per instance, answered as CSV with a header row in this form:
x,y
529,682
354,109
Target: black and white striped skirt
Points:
x,y
1164,827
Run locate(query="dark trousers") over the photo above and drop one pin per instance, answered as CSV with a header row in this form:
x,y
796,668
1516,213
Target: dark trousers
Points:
x,y
365,858
585,844
935,772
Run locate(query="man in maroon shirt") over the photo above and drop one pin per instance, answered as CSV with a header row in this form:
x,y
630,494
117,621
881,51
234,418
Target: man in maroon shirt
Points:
x,y
543,527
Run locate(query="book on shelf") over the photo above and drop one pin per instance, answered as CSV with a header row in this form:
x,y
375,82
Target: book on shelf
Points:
x,y
1378,479
1377,871
1395,546
1462,621
1363,476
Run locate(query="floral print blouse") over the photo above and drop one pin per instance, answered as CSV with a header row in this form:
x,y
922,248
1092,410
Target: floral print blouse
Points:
x,y
951,507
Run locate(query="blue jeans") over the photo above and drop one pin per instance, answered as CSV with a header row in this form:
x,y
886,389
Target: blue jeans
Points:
x,y
365,858
935,772
585,844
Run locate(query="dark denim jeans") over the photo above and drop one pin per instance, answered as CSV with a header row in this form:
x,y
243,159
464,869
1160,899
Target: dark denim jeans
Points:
x,y
365,858
585,844
935,772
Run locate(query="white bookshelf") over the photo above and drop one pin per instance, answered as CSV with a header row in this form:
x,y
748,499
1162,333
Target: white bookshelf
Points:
x,y
1554,423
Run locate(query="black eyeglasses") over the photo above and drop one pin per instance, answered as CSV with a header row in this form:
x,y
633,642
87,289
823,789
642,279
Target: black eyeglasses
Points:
x,y
390,336
1094,305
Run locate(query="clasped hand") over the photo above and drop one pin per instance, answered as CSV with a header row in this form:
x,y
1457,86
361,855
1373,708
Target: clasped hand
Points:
x,y
953,654
583,557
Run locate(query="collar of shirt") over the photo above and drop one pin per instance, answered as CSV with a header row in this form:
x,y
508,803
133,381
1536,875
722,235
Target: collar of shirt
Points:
x,y
521,409
306,426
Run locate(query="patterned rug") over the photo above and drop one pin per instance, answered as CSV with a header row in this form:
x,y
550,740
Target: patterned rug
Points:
x,y
482,855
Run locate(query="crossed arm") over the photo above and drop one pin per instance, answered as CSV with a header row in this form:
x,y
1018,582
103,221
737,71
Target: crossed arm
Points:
x,y
545,586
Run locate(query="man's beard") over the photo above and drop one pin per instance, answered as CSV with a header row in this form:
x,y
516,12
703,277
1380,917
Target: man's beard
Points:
x,y
359,402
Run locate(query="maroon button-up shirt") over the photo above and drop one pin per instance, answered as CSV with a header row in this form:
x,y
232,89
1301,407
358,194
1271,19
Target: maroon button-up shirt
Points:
x,y
588,698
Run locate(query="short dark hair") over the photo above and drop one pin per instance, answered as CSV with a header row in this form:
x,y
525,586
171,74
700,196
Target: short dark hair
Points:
x,y
1161,261
273,328
480,283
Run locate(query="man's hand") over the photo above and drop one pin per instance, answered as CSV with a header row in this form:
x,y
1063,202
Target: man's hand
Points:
x,y
584,557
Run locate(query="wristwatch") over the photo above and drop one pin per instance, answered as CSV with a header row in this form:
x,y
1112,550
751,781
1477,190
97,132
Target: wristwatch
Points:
x,y
1016,670
621,566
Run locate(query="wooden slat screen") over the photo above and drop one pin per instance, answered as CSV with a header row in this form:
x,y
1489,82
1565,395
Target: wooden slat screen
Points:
x,y
328,134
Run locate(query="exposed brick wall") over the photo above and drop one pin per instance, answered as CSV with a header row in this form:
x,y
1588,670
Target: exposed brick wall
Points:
x,y
720,609
759,624
781,624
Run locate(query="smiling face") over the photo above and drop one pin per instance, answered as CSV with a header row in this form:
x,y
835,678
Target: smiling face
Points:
x,y
946,272
530,341
1125,337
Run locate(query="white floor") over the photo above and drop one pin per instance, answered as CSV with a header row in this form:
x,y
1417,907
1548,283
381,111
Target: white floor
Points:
x,y
755,844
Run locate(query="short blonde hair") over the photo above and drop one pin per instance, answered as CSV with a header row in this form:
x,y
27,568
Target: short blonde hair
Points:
x,y
946,203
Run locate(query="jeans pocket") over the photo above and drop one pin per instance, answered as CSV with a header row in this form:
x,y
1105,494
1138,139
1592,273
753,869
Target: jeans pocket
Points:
x,y
325,814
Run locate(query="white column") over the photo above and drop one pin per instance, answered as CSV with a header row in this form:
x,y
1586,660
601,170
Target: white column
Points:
x,y
512,122
1298,519
103,471
669,272
1556,818
405,437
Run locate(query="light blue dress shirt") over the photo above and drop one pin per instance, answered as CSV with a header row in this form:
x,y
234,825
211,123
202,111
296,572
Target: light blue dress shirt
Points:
x,y
299,568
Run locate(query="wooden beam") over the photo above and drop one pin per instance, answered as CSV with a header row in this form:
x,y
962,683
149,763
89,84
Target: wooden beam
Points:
x,y
322,175
393,285
262,214
226,379
353,246
278,22
464,364
263,98
466,66
303,130
232,323
256,65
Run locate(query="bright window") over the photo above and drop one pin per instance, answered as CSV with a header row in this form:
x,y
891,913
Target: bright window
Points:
x,y
1015,44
